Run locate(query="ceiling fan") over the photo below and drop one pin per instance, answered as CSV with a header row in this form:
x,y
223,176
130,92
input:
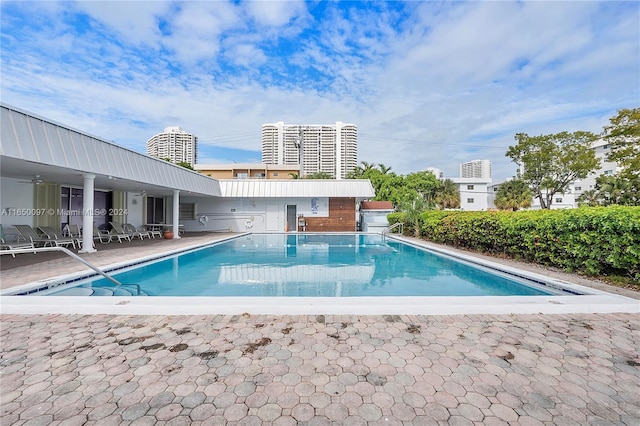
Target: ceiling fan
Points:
x,y
36,180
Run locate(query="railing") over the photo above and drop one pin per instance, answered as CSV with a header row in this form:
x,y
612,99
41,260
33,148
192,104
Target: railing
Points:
x,y
70,253
392,227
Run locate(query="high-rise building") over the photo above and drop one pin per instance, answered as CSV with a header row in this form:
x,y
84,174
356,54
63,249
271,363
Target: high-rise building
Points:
x,y
476,169
175,144
317,148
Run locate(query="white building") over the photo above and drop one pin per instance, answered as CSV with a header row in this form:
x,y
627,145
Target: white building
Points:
x,y
473,193
438,173
476,169
607,168
174,144
326,148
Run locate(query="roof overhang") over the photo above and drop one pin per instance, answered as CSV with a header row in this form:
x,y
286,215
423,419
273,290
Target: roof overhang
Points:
x,y
296,188
31,145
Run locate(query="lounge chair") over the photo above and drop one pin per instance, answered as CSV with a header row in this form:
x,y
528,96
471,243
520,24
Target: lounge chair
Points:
x,y
7,245
57,237
119,232
27,233
103,236
73,231
135,232
153,232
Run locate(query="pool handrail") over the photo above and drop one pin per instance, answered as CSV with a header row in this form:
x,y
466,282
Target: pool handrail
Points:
x,y
68,252
392,227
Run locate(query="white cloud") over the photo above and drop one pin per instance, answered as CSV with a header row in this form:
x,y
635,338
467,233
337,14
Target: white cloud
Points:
x,y
433,84
274,13
133,21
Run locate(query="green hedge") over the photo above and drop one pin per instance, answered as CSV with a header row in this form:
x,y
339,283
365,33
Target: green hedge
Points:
x,y
593,241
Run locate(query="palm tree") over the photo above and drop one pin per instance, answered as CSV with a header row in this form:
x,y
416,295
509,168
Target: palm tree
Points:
x,y
590,197
612,189
513,195
447,195
384,169
412,211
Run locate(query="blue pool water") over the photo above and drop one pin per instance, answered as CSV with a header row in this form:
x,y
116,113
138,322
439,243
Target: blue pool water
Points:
x,y
302,265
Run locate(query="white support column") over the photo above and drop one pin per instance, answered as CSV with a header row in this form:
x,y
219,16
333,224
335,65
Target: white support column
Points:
x,y
176,214
87,214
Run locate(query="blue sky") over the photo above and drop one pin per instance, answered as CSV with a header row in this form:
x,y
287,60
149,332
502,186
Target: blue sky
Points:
x,y
429,84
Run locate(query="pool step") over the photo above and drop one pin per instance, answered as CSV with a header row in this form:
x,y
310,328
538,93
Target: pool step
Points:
x,y
123,290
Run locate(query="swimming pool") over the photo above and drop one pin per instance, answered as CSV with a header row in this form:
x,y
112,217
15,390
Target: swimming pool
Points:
x,y
307,265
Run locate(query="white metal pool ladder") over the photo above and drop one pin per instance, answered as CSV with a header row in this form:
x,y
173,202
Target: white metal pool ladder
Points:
x,y
68,252
392,227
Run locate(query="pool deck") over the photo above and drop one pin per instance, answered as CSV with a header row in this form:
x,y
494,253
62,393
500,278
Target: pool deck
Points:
x,y
321,369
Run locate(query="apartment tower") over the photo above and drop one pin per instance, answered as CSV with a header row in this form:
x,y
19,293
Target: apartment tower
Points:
x,y
480,169
174,144
328,148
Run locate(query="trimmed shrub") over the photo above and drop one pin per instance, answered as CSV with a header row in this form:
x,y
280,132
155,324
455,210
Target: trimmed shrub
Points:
x,y
592,240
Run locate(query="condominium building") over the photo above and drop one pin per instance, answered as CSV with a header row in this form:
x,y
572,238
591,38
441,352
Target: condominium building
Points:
x,y
480,169
316,148
174,144
607,168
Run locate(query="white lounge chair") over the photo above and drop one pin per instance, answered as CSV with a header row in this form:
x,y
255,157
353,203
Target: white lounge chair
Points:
x,y
119,232
153,231
57,237
7,245
100,235
29,234
135,232
73,231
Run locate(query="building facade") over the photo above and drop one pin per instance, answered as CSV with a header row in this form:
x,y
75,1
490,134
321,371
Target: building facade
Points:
x,y
473,193
478,169
316,148
175,144
607,168
248,171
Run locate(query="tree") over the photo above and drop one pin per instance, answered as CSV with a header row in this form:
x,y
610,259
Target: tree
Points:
x,y
411,213
185,164
425,184
623,135
590,197
447,195
513,195
617,190
552,162
384,169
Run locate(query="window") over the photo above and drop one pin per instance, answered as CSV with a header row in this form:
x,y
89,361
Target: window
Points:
x,y
187,211
470,187
275,173
558,200
578,188
469,200
608,172
605,146
241,175
495,189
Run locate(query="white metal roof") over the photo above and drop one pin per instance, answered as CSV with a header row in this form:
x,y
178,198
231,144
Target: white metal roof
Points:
x,y
275,188
31,144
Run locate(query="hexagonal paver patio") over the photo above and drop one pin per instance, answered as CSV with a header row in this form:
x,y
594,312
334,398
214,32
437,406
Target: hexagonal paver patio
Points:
x,y
335,370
